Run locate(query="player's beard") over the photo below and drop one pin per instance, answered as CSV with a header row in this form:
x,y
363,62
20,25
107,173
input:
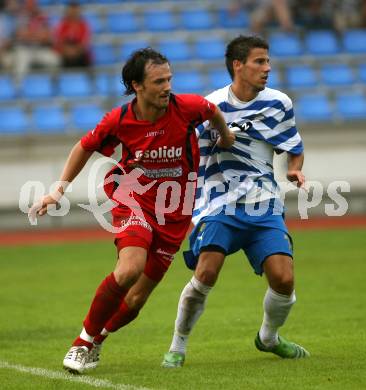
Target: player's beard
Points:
x,y
163,102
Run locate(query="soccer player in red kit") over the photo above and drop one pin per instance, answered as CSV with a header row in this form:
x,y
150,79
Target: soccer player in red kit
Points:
x,y
159,149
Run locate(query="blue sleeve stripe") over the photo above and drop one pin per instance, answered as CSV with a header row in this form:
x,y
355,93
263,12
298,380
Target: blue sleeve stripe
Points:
x,y
298,149
288,115
283,137
270,122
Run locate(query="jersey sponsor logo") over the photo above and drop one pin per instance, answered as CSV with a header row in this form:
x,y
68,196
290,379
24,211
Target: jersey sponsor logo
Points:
x,y
155,133
162,152
165,255
135,221
163,172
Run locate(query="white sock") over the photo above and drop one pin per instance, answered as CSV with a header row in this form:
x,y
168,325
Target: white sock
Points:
x,y
276,309
190,307
85,336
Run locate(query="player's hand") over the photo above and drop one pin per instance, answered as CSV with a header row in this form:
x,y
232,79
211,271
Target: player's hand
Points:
x,y
226,141
40,207
296,176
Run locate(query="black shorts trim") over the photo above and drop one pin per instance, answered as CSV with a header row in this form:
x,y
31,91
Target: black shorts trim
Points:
x,y
213,248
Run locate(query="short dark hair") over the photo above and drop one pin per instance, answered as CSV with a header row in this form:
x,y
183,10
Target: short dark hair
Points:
x,y
134,68
239,49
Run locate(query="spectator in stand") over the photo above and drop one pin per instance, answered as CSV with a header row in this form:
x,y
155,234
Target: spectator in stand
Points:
x,y
314,14
8,10
33,45
72,38
350,14
264,12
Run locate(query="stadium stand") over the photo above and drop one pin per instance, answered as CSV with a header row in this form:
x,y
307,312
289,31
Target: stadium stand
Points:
x,y
306,64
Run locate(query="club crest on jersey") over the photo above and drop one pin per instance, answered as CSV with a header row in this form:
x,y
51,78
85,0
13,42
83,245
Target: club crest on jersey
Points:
x,y
162,152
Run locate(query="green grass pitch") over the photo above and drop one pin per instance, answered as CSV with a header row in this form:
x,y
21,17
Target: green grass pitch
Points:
x,y
46,291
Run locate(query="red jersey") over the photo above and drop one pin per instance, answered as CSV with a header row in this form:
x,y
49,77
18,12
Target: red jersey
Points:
x,y
165,151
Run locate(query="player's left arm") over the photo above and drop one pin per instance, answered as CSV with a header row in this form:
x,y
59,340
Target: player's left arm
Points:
x,y
294,167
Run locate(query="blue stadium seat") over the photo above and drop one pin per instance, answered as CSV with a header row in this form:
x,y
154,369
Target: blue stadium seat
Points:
x,y
301,76
103,54
188,82
274,79
283,45
229,19
103,84
197,19
322,42
86,116
94,20
354,41
128,47
175,50
49,118
75,85
117,88
362,73
13,120
7,88
210,49
161,20
218,78
337,75
122,22
351,105
35,86
313,108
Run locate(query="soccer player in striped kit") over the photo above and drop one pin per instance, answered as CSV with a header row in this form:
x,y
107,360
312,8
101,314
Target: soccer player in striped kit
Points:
x,y
238,203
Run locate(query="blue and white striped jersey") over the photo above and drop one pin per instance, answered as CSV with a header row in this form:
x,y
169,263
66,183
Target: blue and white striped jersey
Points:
x,y
244,174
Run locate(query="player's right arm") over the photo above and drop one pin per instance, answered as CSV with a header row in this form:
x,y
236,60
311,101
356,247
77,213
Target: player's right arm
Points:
x,y
99,139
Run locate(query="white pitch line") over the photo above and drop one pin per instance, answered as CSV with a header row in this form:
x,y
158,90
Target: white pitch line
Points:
x,y
101,383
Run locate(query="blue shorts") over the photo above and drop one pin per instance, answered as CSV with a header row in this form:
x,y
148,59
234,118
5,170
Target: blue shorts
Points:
x,y
258,237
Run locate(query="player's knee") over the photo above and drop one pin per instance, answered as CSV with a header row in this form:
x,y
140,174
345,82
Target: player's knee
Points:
x,y
127,276
283,284
208,267
207,276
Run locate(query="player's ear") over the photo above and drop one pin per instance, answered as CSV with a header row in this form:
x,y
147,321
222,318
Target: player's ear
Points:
x,y
237,64
136,86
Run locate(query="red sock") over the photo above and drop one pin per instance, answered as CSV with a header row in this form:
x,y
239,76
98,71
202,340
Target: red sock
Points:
x,y
80,342
99,338
122,317
105,303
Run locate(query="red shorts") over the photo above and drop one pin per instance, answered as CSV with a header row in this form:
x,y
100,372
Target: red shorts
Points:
x,y
158,240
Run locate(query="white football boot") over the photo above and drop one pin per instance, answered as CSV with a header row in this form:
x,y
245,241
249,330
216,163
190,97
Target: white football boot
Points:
x,y
75,359
93,357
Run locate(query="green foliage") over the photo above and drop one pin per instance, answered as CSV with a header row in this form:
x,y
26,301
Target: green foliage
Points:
x,y
46,291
